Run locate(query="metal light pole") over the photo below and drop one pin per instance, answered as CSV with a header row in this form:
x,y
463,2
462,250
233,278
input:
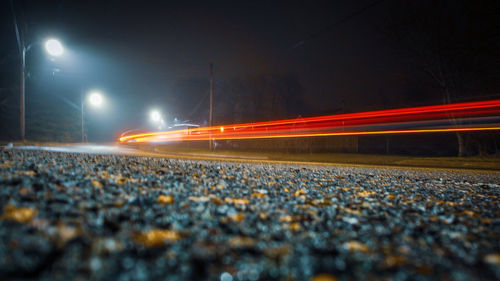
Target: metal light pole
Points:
x,y
211,117
83,122
54,48
22,93
95,99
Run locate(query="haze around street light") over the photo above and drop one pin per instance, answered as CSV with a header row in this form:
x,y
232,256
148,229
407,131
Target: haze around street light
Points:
x,y
54,47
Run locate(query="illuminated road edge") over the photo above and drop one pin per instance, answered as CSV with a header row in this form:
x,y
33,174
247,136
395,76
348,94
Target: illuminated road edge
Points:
x,y
458,117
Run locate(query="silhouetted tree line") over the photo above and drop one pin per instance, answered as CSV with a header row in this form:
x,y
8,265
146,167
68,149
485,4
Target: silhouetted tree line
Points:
x,y
457,44
259,97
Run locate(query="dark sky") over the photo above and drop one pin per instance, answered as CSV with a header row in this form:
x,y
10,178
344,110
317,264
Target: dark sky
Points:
x,y
136,51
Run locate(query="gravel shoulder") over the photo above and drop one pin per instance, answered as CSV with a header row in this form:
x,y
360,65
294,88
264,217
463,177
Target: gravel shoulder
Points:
x,y
77,216
491,163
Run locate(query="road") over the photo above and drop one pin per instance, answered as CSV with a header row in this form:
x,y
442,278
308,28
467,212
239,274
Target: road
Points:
x,y
133,217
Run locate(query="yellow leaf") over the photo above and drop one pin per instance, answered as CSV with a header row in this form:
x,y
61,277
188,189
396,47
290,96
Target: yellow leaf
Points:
x,y
241,241
96,184
165,199
324,277
238,217
157,237
27,173
6,164
19,214
258,195
286,218
237,201
300,192
198,199
295,226
492,259
356,246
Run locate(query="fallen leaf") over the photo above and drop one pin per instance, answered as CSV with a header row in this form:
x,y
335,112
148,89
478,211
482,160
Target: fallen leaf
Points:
x,y
121,180
157,237
27,173
258,195
6,164
356,246
300,192
238,217
220,186
321,202
286,218
324,277
277,252
294,226
19,214
237,201
198,199
165,199
66,233
24,191
394,261
351,211
366,193
493,259
241,242
217,201
486,220
468,212
96,184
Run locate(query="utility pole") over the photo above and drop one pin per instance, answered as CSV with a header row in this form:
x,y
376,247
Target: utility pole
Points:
x,y
22,94
211,117
83,124
22,52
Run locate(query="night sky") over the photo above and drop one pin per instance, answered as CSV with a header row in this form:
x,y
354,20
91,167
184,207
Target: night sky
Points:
x,y
139,52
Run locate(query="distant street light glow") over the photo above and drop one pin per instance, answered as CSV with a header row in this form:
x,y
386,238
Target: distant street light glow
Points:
x,y
155,116
95,99
54,47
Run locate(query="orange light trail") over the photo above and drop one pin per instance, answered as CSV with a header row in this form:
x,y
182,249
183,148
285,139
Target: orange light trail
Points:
x,y
425,119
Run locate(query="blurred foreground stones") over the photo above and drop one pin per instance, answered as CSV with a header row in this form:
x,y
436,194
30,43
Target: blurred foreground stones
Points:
x,y
81,217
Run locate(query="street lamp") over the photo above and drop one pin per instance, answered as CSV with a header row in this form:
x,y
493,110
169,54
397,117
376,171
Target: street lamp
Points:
x,y
157,118
53,48
95,99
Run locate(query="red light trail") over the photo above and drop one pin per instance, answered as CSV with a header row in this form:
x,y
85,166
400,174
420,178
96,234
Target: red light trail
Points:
x,y
458,117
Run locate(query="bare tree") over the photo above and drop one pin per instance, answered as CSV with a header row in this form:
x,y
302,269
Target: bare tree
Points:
x,y
455,42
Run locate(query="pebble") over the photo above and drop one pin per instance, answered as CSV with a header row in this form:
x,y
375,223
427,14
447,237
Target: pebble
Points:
x,y
107,217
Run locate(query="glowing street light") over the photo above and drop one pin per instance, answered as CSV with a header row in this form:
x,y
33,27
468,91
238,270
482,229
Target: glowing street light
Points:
x,y
155,116
54,47
95,99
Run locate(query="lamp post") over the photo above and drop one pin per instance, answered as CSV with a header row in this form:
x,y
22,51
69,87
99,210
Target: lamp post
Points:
x,y
95,99
53,48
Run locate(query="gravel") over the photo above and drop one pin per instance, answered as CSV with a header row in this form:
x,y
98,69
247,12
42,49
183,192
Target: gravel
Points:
x,y
106,217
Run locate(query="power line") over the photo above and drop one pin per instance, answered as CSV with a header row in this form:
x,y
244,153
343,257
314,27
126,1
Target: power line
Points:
x,y
337,23
18,35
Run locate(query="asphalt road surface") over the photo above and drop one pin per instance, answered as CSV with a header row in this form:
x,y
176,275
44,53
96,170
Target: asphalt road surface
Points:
x,y
81,216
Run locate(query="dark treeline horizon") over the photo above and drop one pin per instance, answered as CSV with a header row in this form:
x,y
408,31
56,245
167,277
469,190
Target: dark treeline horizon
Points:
x,y
272,60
